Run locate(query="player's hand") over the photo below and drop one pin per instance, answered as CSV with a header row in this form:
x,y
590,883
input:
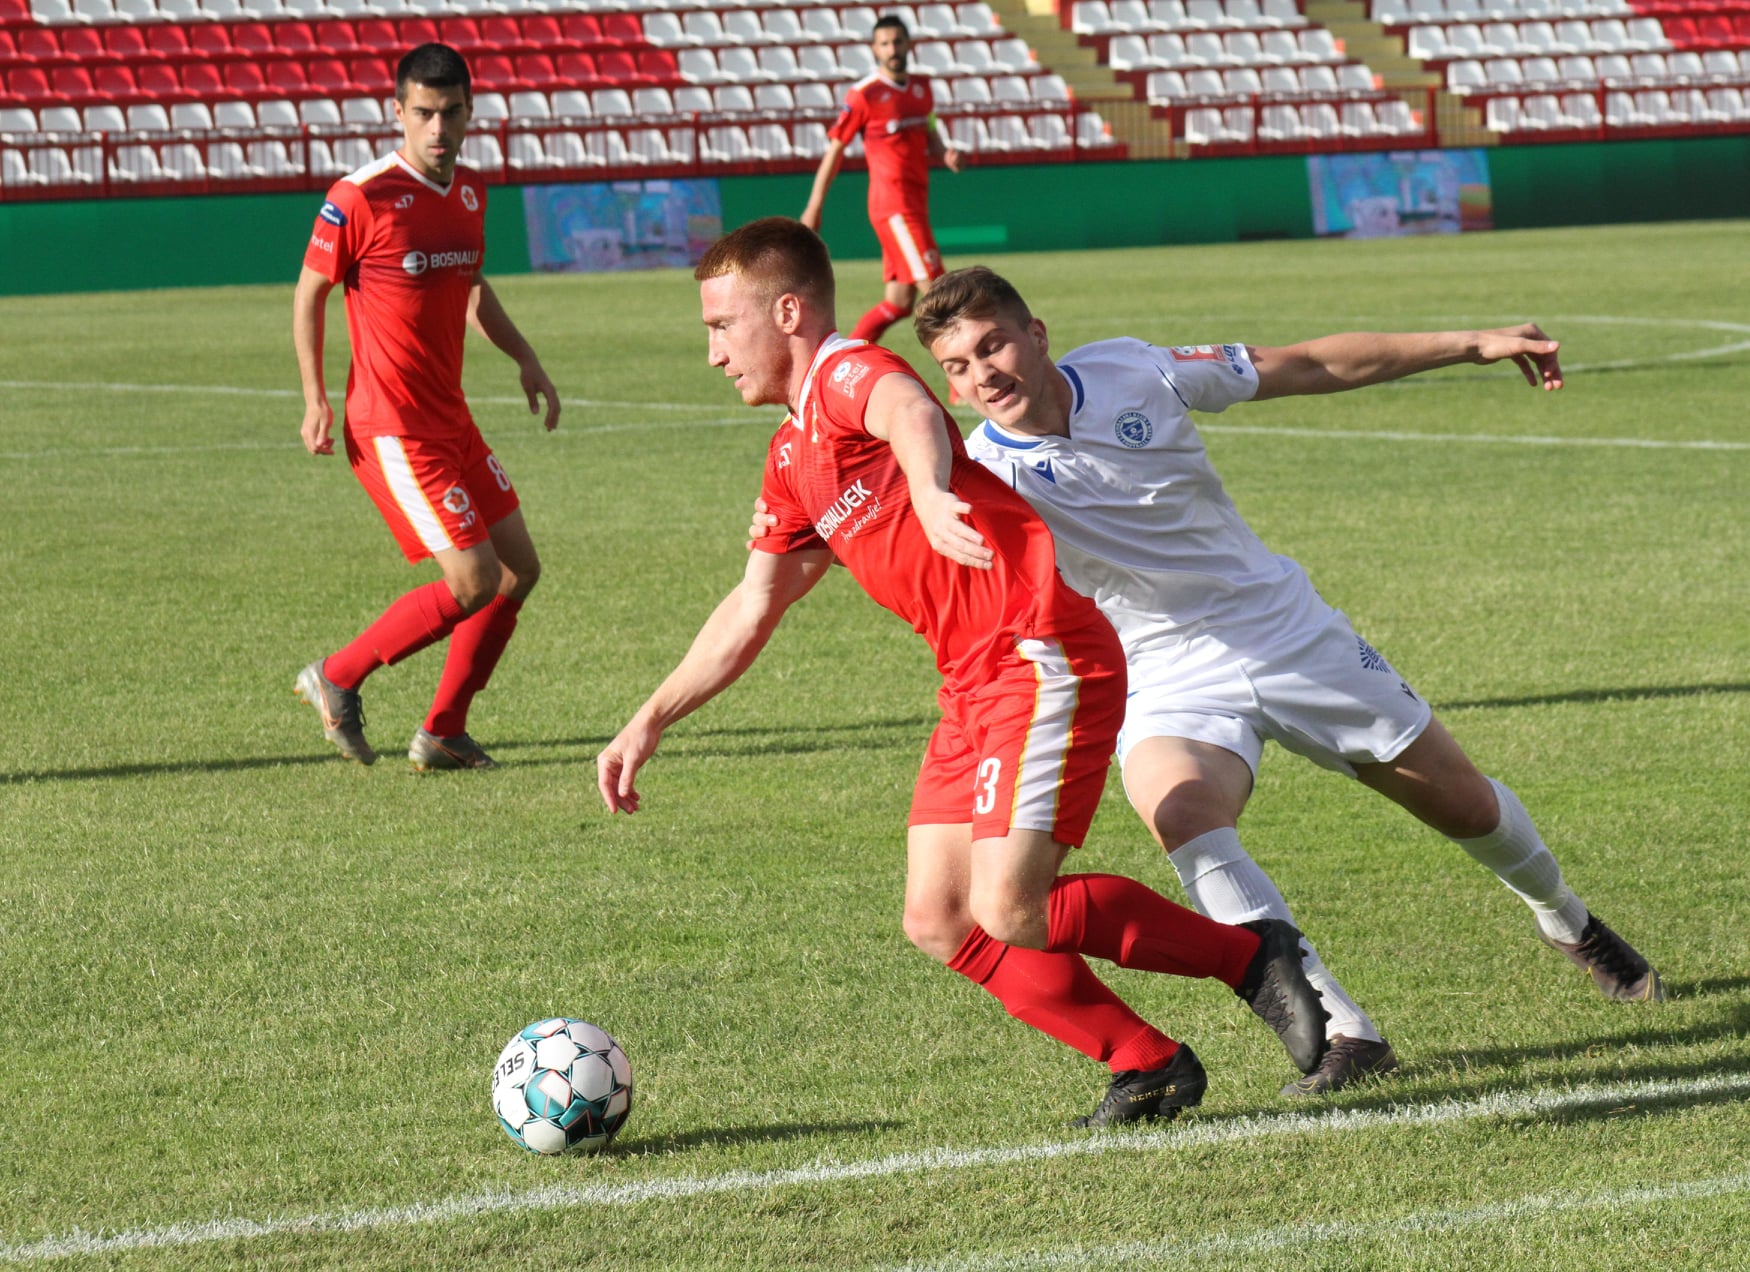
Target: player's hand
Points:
x,y
941,513
952,159
618,765
537,385
317,429
1526,345
762,522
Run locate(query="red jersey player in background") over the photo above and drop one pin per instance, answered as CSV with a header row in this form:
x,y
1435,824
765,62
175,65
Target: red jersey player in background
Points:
x,y
868,470
894,112
404,236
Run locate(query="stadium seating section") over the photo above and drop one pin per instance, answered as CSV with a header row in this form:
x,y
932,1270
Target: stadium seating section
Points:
x,y
148,96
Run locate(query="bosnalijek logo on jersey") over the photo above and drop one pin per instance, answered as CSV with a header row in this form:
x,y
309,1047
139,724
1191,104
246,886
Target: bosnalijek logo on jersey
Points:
x,y
1133,429
417,262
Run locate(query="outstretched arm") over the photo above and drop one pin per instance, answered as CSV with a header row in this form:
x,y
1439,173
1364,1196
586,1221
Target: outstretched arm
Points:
x,y
1331,364
486,315
823,178
309,320
725,647
901,413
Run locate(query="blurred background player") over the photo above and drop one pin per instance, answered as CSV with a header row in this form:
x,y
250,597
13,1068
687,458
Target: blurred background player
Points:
x,y
894,112
1228,644
868,469
404,236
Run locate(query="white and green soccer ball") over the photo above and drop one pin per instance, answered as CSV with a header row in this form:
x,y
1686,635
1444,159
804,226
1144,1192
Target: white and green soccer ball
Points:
x,y
561,1085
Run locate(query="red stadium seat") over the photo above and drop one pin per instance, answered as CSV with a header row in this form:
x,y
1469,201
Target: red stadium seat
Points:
x,y
115,81
493,71
462,34
658,66
8,48
329,74
16,12
622,29
1712,32
160,82
287,77
168,41
500,34
210,39
127,43
241,77
204,80
29,82
255,38
84,43
541,31
619,68
577,70
293,37
377,33
581,29
372,74
71,81
336,38
536,70
416,31
39,44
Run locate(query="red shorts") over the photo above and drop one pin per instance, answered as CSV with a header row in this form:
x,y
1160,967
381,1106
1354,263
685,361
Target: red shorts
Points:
x,y
1030,749
908,248
434,494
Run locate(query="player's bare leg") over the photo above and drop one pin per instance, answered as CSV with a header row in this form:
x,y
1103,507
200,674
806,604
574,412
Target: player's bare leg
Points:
x,y
1435,780
491,580
1190,795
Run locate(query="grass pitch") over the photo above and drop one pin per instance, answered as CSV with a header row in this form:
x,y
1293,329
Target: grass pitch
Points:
x,y
253,994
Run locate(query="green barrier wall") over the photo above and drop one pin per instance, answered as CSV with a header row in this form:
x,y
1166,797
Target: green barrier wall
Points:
x,y
123,244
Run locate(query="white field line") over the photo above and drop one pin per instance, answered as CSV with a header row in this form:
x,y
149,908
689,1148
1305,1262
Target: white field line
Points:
x,y
1418,1223
1194,1134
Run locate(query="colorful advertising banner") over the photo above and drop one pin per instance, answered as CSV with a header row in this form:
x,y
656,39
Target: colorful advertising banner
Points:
x,y
1381,194
612,225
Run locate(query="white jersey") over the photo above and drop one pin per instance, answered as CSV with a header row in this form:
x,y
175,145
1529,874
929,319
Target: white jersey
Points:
x,y
1141,520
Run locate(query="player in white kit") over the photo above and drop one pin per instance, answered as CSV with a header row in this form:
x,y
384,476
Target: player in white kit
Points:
x,y
1228,644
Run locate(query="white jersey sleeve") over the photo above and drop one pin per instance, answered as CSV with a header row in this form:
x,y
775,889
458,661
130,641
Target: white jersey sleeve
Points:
x,y
1141,520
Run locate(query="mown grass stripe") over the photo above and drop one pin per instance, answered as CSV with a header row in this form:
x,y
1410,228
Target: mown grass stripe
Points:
x,y
1194,1134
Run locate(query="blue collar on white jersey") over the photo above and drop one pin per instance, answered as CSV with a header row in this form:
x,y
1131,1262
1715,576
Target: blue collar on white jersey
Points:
x,y
1075,382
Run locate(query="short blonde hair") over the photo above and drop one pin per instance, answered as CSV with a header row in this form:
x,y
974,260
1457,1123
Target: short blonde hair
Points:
x,y
777,256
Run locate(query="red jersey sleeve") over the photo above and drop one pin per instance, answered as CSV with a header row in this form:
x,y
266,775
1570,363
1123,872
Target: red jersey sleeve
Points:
x,y
853,118
342,227
795,531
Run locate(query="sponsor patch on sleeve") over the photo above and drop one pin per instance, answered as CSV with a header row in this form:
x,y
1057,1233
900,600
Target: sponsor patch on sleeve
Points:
x,y
1197,353
332,214
848,374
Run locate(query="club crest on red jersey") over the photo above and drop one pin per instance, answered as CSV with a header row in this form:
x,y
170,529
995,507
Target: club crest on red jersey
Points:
x,y
470,200
847,375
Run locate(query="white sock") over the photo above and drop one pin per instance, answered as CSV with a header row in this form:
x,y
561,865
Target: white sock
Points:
x,y
1517,855
1224,883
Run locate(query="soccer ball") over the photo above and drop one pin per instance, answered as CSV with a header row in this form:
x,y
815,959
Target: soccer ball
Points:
x,y
562,1084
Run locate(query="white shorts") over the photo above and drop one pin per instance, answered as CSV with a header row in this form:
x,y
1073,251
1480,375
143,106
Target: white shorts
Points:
x,y
1330,697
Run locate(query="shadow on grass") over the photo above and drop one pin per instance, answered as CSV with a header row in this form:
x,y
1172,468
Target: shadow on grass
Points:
x,y
732,1136
1627,694
687,744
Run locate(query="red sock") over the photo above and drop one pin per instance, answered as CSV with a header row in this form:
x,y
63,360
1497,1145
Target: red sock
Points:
x,y
475,647
1120,920
1059,995
423,617
873,324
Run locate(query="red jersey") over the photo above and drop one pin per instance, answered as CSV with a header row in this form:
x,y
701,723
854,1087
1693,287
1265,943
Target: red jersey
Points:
x,y
407,251
894,122
832,484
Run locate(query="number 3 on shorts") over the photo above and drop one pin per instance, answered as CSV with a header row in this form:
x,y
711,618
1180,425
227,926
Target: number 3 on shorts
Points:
x,y
988,772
